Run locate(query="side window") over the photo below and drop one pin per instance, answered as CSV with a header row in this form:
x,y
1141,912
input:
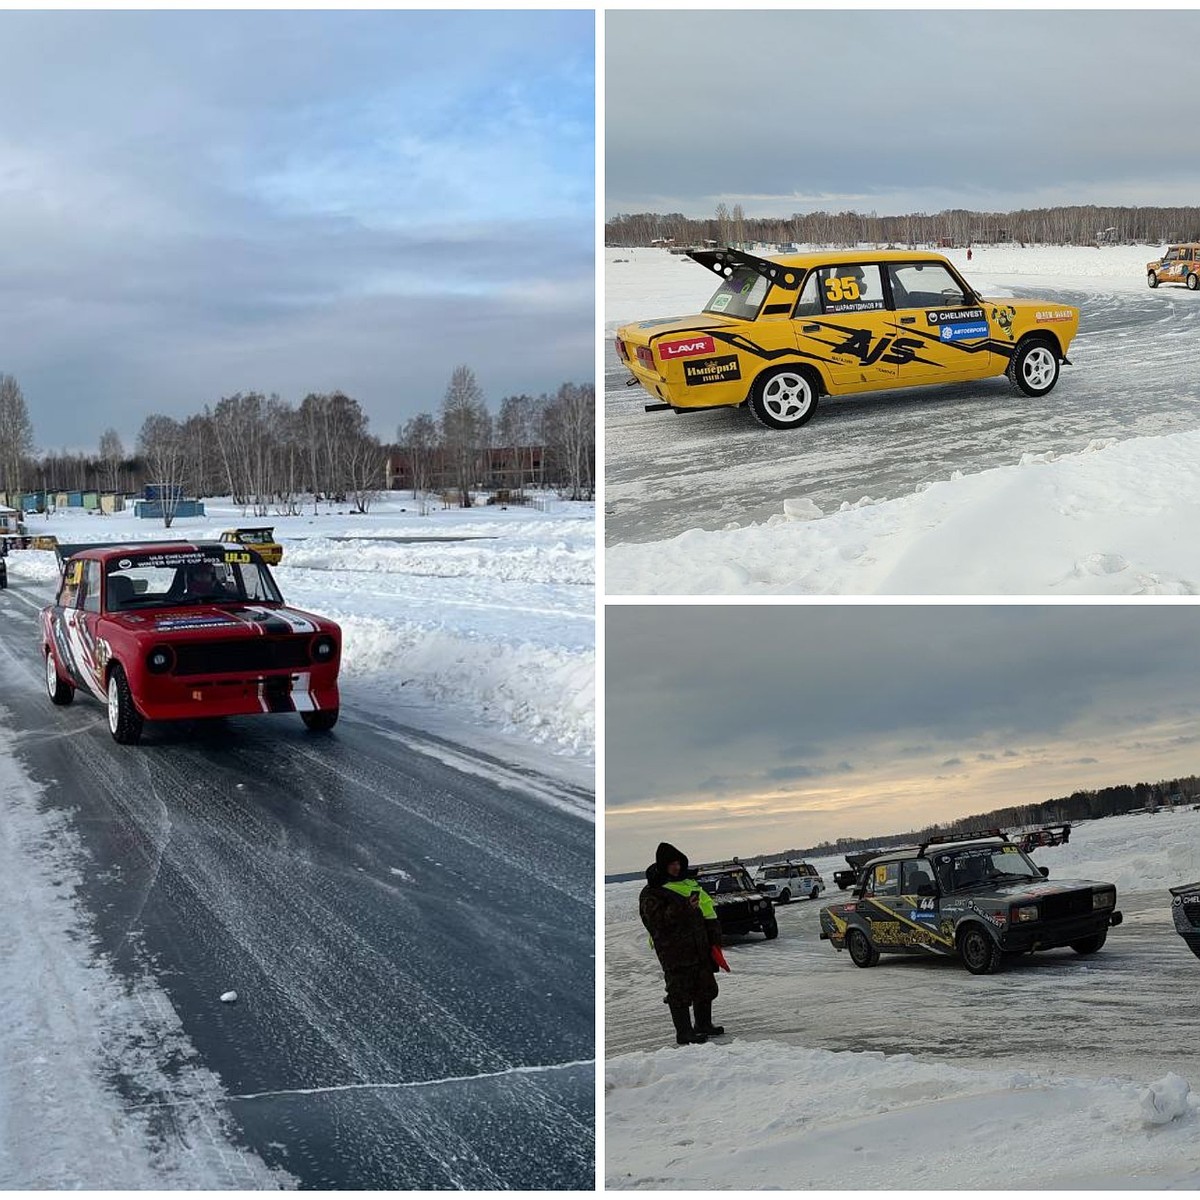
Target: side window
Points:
x,y
925,285
809,304
913,874
850,288
90,592
68,594
884,880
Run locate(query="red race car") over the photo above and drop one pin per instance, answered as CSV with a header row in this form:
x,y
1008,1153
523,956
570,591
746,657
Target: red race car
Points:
x,y
171,631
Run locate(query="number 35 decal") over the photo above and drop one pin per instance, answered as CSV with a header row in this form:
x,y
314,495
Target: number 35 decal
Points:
x,y
840,288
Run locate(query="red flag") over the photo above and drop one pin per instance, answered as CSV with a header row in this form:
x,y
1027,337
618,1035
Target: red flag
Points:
x,y
719,958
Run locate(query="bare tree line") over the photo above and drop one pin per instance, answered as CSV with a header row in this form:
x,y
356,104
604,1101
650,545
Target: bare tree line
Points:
x,y
270,456
1085,224
550,437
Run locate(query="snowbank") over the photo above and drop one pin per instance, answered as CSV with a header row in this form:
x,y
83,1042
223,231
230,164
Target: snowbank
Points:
x,y
770,1115
1116,519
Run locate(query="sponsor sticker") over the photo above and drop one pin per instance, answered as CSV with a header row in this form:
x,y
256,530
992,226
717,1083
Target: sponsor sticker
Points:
x,y
854,306
947,316
720,303
686,348
1052,315
711,370
963,333
919,914
198,622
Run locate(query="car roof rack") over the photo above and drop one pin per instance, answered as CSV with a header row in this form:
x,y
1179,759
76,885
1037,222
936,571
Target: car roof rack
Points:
x,y
729,864
972,835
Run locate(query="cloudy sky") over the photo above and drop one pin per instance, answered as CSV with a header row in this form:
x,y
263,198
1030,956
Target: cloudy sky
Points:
x,y
195,204
754,729
897,112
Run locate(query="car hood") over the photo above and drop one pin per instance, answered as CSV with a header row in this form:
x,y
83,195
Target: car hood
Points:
x,y
230,620
1009,892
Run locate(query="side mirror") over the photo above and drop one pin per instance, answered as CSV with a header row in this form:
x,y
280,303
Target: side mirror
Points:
x,y
927,889
1045,871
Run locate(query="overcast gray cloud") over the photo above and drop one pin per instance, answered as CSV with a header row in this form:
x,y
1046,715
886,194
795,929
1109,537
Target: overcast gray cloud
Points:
x,y
895,112
197,203
757,728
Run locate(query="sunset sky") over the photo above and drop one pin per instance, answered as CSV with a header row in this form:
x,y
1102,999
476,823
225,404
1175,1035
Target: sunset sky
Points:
x,y
761,728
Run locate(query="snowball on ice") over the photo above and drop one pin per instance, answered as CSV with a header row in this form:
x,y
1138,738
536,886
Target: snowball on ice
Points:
x,y
1165,1099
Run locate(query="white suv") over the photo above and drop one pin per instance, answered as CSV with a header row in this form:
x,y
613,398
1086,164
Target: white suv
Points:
x,y
784,882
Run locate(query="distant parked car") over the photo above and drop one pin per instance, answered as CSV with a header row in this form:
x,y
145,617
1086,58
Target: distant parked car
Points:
x,y
1185,908
779,333
980,897
3,565
784,881
170,631
741,907
1179,264
260,539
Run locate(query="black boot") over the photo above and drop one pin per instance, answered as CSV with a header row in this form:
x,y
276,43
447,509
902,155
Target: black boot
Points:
x,y
704,1023
684,1033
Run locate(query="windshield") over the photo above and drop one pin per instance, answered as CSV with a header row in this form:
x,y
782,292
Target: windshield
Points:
x,y
171,580
741,295
975,865
727,881
775,873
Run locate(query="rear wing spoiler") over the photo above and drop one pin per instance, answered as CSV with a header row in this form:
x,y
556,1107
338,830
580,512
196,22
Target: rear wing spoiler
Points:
x,y
1048,835
725,262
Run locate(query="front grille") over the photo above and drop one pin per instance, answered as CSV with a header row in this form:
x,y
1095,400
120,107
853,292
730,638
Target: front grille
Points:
x,y
249,654
1072,904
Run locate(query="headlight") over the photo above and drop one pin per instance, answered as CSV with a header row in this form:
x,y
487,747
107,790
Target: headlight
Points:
x,y
1027,912
160,660
323,648
1103,899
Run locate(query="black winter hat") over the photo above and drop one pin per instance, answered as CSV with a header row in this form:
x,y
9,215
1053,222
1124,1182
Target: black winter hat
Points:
x,y
666,854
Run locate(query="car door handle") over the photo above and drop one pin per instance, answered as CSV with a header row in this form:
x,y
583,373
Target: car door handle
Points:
x,y
811,328
908,320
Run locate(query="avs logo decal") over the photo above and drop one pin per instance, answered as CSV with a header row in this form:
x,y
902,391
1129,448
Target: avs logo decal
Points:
x,y
711,370
898,350
686,348
962,333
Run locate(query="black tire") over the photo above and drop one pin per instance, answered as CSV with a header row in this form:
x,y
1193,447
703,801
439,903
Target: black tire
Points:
x,y
862,953
1033,368
59,692
785,897
1151,279
771,931
320,721
124,720
784,397
980,952
1193,282
1091,944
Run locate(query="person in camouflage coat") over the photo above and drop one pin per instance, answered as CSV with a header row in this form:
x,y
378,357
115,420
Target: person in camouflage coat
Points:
x,y
682,922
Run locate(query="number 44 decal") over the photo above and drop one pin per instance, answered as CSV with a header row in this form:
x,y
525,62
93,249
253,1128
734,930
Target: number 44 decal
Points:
x,y
901,350
926,902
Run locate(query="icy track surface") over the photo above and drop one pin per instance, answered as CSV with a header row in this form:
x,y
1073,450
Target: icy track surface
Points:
x,y
1058,1072
963,489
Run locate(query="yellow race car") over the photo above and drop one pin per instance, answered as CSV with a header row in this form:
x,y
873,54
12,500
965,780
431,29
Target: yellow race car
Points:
x,y
781,332
1179,264
261,539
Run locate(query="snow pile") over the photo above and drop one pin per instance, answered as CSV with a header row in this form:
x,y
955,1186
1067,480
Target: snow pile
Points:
x,y
69,1021
770,1115
1165,1100
1115,519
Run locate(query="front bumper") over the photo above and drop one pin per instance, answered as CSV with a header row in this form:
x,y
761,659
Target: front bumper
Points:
x,y
1048,935
238,695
